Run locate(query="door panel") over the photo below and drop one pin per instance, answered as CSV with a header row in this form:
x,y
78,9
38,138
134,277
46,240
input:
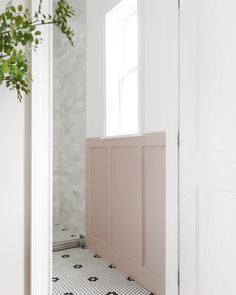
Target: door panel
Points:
x,y
215,242
207,147
215,73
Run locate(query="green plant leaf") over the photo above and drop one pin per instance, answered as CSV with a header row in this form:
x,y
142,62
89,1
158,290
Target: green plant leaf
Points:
x,y
20,8
17,32
4,68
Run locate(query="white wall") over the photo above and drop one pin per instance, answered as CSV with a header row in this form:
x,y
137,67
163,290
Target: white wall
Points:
x,y
14,192
156,50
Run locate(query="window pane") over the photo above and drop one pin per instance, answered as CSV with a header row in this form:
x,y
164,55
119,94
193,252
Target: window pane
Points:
x,y
130,42
122,69
129,104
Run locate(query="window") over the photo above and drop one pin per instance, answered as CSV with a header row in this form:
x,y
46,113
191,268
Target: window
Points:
x,y
122,97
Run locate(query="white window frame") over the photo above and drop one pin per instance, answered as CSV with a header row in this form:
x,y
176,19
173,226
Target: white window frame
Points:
x,y
141,106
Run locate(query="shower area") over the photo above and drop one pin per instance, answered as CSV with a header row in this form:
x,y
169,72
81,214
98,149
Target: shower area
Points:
x,y
69,133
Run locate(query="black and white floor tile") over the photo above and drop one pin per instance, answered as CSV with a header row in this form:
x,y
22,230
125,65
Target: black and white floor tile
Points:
x,y
78,271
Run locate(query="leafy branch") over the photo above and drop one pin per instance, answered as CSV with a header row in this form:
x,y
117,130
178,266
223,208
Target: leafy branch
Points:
x,y
18,30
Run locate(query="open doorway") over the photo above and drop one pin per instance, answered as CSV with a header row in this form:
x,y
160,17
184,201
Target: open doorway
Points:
x,y
114,225
123,182
207,147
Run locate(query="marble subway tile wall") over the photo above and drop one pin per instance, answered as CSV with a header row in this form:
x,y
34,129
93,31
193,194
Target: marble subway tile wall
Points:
x,y
70,124
56,127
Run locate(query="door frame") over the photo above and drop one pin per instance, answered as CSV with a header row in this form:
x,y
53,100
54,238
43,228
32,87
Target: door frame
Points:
x,y
41,163
172,158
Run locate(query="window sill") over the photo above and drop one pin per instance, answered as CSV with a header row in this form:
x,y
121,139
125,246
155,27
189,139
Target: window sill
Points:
x,y
121,136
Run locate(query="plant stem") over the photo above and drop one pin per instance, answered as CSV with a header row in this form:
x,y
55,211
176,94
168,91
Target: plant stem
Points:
x,y
33,23
3,56
41,24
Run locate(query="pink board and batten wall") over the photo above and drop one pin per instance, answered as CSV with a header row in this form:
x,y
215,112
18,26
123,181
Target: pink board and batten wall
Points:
x,y
126,205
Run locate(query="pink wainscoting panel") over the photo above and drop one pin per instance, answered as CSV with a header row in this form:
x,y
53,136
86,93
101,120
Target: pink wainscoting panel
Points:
x,y
154,209
126,205
125,198
99,194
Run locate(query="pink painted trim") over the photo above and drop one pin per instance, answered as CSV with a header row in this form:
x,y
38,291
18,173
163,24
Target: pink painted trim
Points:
x,y
126,205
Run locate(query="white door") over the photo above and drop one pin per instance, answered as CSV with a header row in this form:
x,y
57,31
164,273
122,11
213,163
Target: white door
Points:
x,y
208,147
